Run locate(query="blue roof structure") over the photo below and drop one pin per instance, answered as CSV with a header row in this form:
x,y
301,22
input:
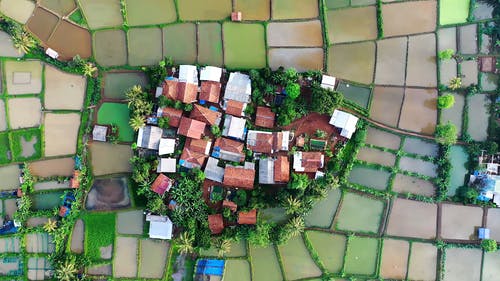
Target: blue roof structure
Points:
x,y
210,267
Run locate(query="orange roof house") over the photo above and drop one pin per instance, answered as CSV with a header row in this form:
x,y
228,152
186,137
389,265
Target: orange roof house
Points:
x,y
282,169
264,117
187,92
210,91
205,115
216,223
229,150
308,162
191,128
195,153
162,184
230,204
247,217
170,89
239,177
174,116
235,108
262,142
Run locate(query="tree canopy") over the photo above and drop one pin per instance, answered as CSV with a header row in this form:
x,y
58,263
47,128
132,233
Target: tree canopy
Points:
x,y
446,133
446,101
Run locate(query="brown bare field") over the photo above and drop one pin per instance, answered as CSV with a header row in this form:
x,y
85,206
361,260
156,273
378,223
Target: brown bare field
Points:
x,y
61,133
410,218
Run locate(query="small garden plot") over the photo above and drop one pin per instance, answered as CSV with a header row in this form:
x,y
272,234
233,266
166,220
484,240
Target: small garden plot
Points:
x,y
369,177
5,153
391,61
237,270
144,54
404,183
294,9
37,221
330,249
296,260
447,71
323,211
110,47
419,111
179,42
42,23
382,138
478,117
418,166
462,264
61,7
447,38
423,262
101,270
10,245
386,105
295,34
409,17
39,268
7,49
354,62
46,201
458,158
491,271
198,10
362,256
358,94
117,83
51,168
265,264
377,156
116,114
274,214
489,82
248,51
101,14
460,222
469,72
468,39
99,235
150,12
23,77
351,25
153,258
210,44
26,145
78,237
453,11
394,259
410,218
420,147
109,194
254,9
302,59
130,222
24,112
18,10
48,185
353,218
238,249
421,64
125,258
493,223
63,90
39,243
110,158
10,207
70,40
61,133
454,114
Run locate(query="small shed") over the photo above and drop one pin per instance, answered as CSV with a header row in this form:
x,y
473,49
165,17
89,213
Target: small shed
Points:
x,y
99,133
328,82
167,165
483,233
160,227
236,16
167,146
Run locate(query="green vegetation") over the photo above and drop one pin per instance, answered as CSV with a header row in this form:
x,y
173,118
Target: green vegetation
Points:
x,y
446,101
99,232
4,148
446,133
78,18
489,245
118,114
380,20
17,138
453,11
446,54
455,83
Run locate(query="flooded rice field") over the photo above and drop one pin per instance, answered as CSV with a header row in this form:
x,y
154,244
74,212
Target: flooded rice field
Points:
x,y
24,112
101,14
10,245
410,218
469,72
420,147
52,167
362,255
110,158
71,40
462,264
101,270
454,114
61,133
237,270
144,54
323,211
409,17
382,138
447,71
265,264
150,12
419,111
453,11
63,90
238,249
153,258
18,10
130,222
493,222
460,222
394,259
369,177
421,64
297,34
418,166
23,77
350,25
78,237
366,219
478,117
12,266
192,10
125,261
60,7
302,59
10,207
373,155
391,61
489,81
244,52
423,261
210,43
330,248
458,158
110,47
254,9
117,83
179,42
357,94
403,183
354,62
7,48
38,268
42,23
39,243
490,266
296,260
108,194
447,38
10,177
294,9
46,201
467,35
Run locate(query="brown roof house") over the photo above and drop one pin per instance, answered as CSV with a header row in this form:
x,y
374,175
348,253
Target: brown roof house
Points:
x,y
267,142
174,115
308,162
240,177
216,223
229,150
195,152
249,217
182,91
274,171
191,128
162,184
235,108
264,117
230,204
205,115
210,91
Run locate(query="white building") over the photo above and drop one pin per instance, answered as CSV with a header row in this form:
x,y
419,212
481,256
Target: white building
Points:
x,y
167,165
234,127
167,146
188,74
238,88
149,137
345,121
328,82
160,227
211,73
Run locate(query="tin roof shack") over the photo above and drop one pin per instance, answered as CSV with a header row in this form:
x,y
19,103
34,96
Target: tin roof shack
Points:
x,y
274,171
346,122
160,227
240,177
167,165
149,137
99,133
238,88
229,150
213,171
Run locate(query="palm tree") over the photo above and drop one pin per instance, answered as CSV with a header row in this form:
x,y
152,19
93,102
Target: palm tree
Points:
x,y
142,107
89,69
66,271
133,94
455,83
50,226
137,122
292,205
23,41
295,226
185,243
223,247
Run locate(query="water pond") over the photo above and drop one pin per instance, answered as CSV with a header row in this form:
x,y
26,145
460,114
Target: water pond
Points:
x,y
458,159
119,115
369,177
382,138
358,94
117,83
330,248
323,211
418,166
409,218
274,214
353,218
108,194
362,256
420,147
46,201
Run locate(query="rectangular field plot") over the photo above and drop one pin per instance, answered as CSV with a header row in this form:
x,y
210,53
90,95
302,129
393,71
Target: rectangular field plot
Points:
x,y
179,42
489,81
323,211
462,264
110,47
51,168
10,245
210,44
12,266
150,12
369,177
493,223
410,218
110,158
353,218
423,262
24,112
71,40
419,111
362,256
39,243
61,133
404,183
237,270
295,34
352,24
382,138
254,9
478,117
468,39
491,271
153,258
418,166
386,105
420,147
374,155
125,261
238,249
42,23
394,259
46,201
5,152
454,114
460,222
447,71
117,83
469,72
330,249
409,17
353,62
23,77
458,158
302,59
117,114
3,120
101,14
193,10
421,64
294,9
26,144
38,268
144,54
447,38
297,262
63,90
99,235
130,222
265,264
244,52
358,94
453,11
391,61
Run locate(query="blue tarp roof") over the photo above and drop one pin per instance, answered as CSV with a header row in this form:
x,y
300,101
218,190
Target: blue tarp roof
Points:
x,y
210,267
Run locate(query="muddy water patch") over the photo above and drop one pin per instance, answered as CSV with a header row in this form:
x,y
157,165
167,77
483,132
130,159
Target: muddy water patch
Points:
x,y
153,258
130,222
362,256
420,147
447,71
358,94
38,221
467,35
373,155
330,248
46,201
447,38
391,61
296,34
382,138
369,177
12,266
108,194
42,23
418,166
410,218
489,81
454,114
421,63
110,47
51,168
18,10
462,264
297,262
419,111
302,59
469,72
265,264
460,222
28,146
491,271
354,62
353,24
403,183
24,112
394,259
101,270
352,218
117,83
110,158
125,261
71,40
77,237
423,262
478,117
101,14
409,17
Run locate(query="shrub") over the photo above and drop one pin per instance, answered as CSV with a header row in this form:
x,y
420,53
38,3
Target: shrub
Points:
x,y
446,133
489,245
455,83
163,122
446,101
293,90
446,54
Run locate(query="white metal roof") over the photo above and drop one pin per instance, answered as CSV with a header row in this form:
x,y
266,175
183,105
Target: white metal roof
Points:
x,y
167,165
52,53
328,82
160,227
345,121
211,73
167,146
238,88
188,73
234,127
297,162
99,133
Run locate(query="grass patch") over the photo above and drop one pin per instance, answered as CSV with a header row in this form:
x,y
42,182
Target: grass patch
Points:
x,y
4,148
17,138
78,18
453,11
118,114
99,232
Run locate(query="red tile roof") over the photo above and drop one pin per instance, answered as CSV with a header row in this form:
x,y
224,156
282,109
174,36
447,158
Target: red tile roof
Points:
x,y
247,217
264,143
210,91
174,116
199,146
264,117
161,184
311,161
195,159
239,177
187,92
229,145
282,169
235,108
191,128
205,115
170,89
229,204
216,223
